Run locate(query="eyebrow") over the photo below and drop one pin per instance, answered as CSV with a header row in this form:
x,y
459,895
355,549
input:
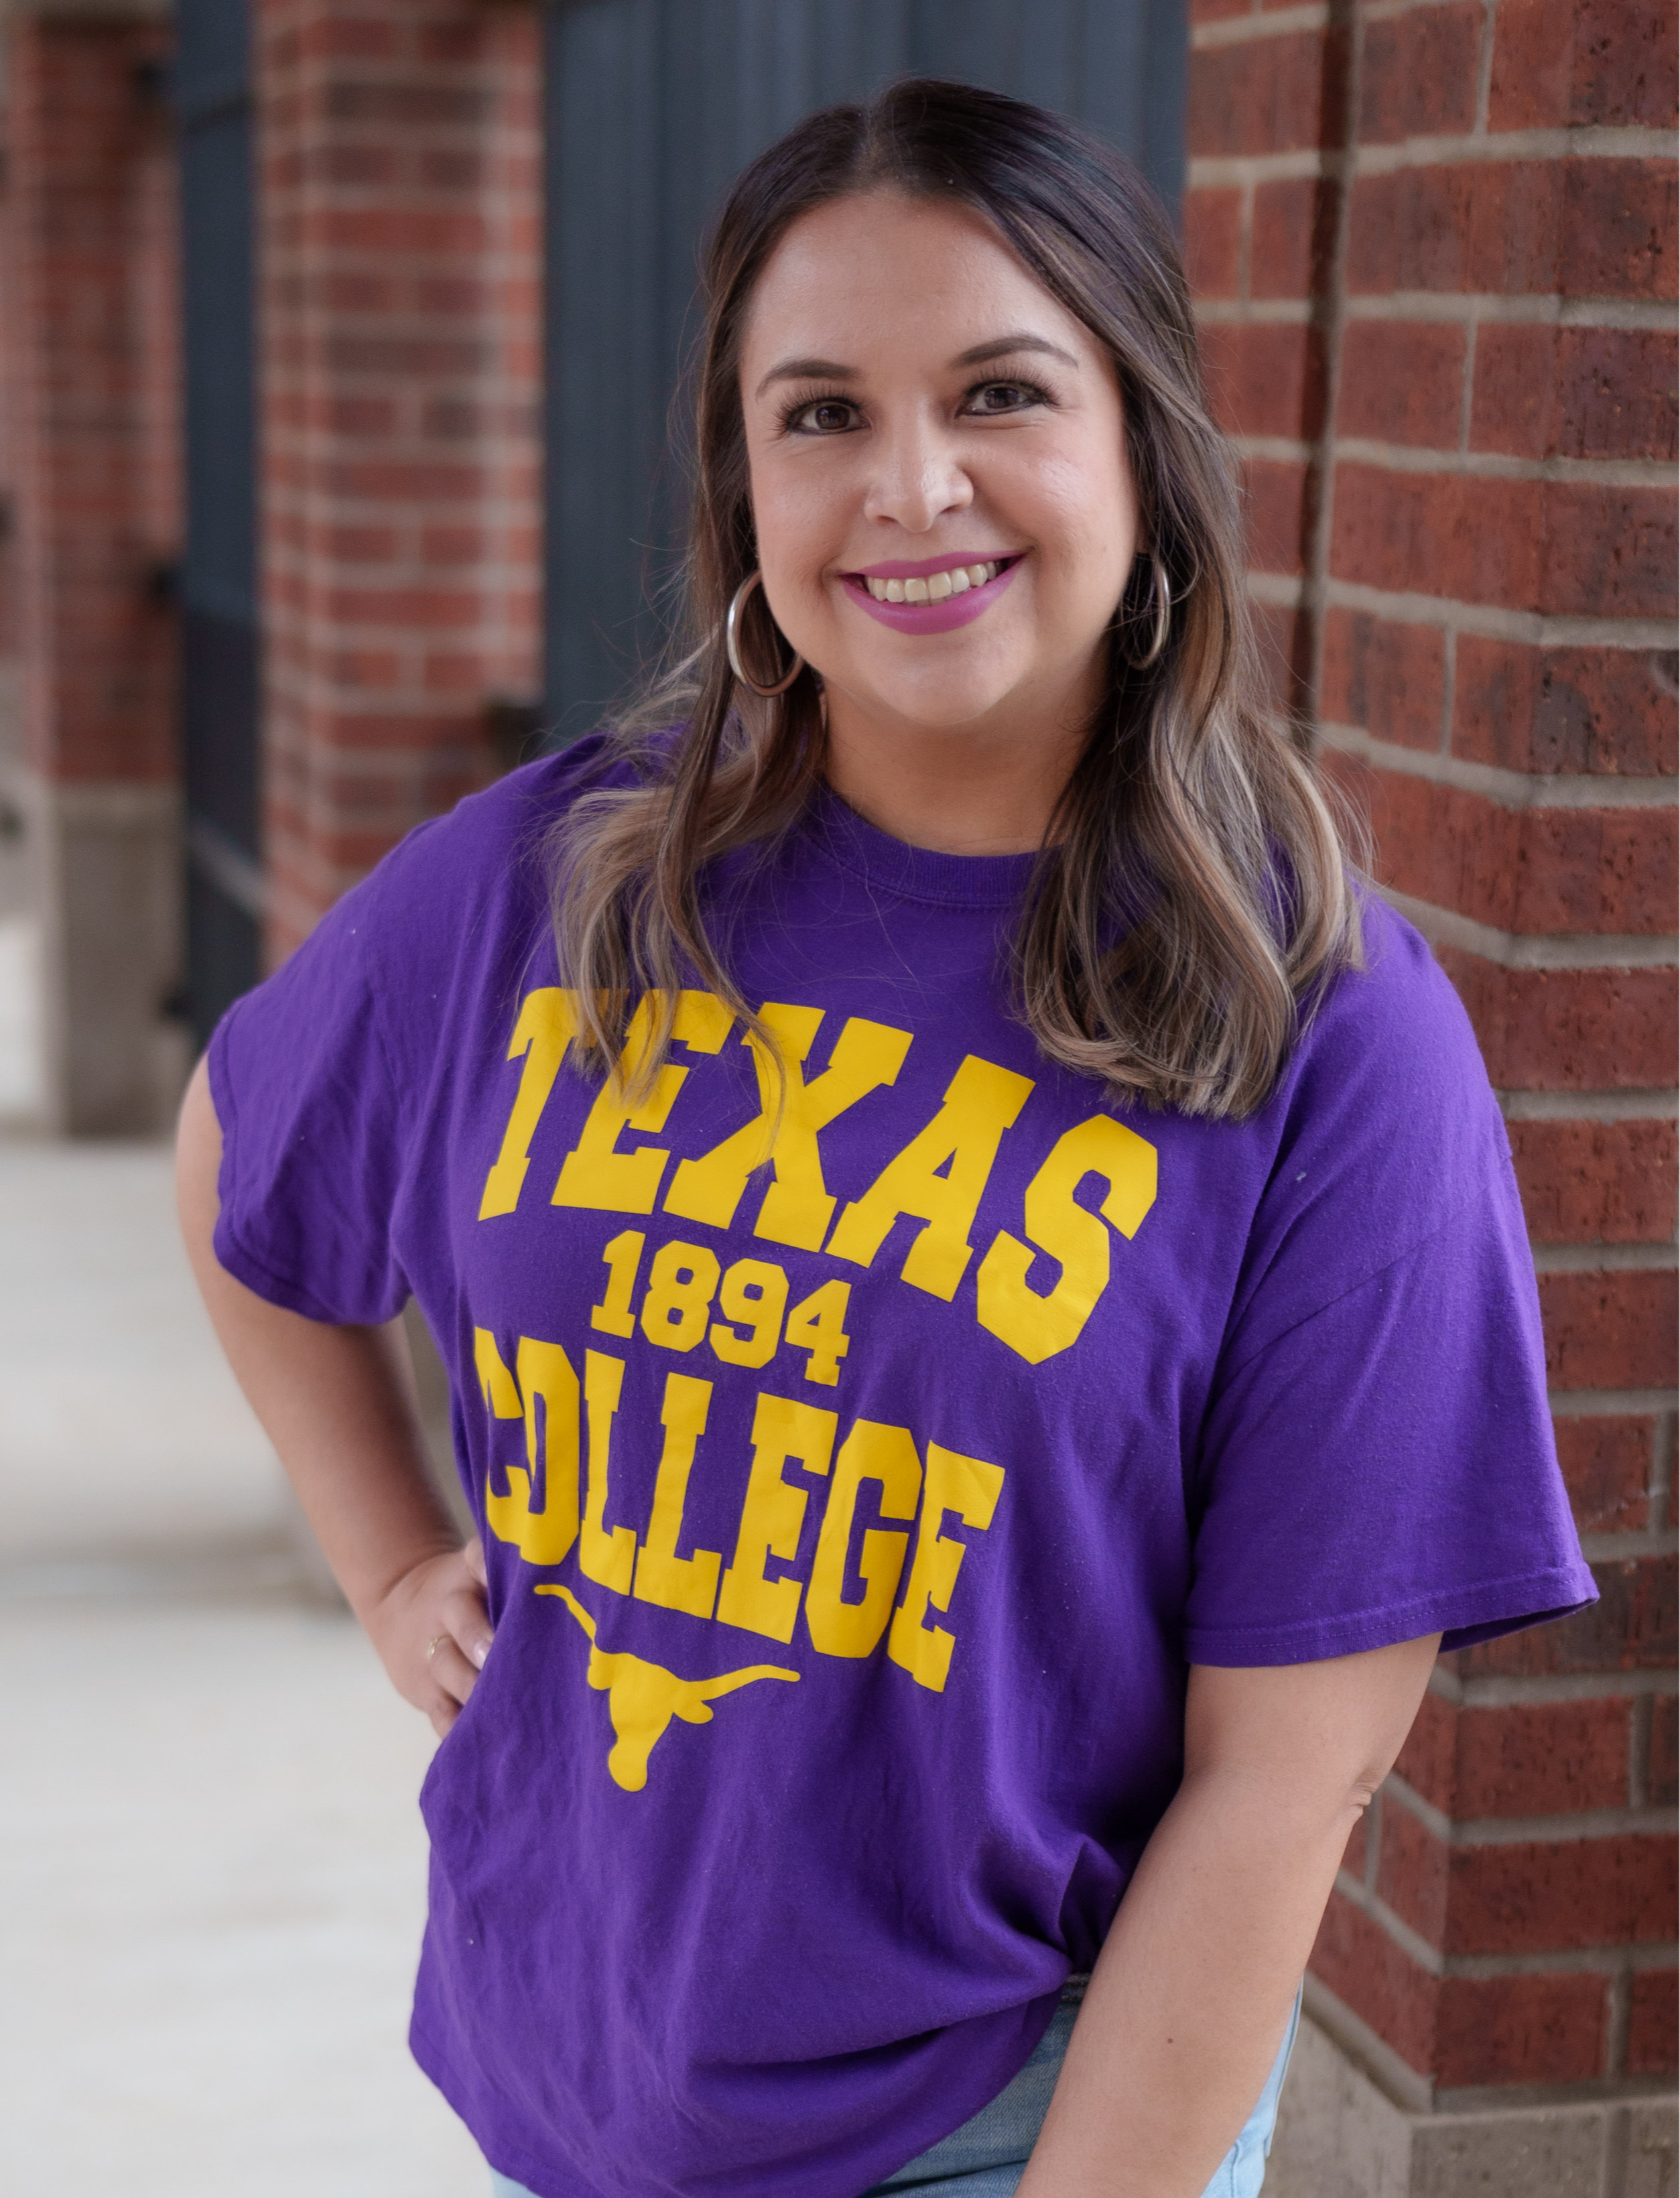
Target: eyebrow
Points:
x,y
828,369
982,354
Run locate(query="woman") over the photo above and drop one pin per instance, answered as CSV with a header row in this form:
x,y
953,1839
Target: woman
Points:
x,y
992,1332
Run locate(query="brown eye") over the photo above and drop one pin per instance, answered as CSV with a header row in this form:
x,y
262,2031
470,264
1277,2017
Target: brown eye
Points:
x,y
828,416
1002,397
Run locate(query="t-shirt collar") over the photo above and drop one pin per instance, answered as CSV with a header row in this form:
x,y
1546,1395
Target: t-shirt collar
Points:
x,y
924,874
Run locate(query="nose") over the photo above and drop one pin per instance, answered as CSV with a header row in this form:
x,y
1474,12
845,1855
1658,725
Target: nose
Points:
x,y
918,477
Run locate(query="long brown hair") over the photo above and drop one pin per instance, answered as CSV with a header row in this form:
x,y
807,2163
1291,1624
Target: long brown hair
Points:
x,y
1190,893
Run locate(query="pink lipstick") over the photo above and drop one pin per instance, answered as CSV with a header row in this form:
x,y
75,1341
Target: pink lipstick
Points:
x,y
953,610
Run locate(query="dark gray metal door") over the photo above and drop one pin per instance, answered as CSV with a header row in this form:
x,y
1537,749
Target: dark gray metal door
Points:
x,y
652,106
218,574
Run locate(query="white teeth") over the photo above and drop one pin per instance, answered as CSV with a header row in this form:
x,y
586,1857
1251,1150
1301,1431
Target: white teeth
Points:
x,y
936,588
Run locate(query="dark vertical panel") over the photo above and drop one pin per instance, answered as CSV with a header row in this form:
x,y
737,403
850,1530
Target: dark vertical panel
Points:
x,y
976,41
1159,149
859,47
1114,91
218,574
586,472
653,106
776,79
605,380
1046,66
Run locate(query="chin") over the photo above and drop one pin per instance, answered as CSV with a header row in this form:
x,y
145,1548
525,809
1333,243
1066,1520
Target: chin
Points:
x,y
940,699
944,713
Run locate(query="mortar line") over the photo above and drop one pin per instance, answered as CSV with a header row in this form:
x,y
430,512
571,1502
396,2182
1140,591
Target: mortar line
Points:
x,y
1533,309
1571,140
1591,1106
1560,1827
1449,687
1485,67
1437,462
1512,789
1535,628
1597,1257
1600,1961
1619,1994
1500,1693
1516,950
1662,1468
1243,30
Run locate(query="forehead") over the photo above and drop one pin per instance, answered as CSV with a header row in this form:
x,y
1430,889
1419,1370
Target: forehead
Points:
x,y
879,273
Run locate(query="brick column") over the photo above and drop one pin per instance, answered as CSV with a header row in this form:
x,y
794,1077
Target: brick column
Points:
x,y
399,211
88,362
1435,246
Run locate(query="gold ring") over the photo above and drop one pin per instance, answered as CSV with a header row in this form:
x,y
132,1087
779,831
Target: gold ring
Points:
x,y
431,1645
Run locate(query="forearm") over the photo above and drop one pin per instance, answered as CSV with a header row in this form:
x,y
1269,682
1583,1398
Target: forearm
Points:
x,y
337,1404
1190,1995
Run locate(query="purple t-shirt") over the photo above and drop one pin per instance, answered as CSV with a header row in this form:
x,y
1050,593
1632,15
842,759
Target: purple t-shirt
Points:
x,y
854,1510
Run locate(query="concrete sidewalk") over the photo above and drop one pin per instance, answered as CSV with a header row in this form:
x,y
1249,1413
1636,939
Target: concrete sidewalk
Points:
x,y
214,1862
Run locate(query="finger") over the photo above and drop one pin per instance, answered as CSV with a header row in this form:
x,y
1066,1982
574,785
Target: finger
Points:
x,y
463,1618
449,1669
473,1553
443,1716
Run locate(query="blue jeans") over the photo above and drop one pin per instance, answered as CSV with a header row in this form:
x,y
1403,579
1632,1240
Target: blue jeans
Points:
x,y
987,2156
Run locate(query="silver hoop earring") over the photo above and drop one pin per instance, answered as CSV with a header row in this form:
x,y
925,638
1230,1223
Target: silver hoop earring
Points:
x,y
1163,594
732,642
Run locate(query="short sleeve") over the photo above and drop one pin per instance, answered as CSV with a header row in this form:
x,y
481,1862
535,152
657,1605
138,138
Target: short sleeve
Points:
x,y
311,1130
1376,1461
323,1076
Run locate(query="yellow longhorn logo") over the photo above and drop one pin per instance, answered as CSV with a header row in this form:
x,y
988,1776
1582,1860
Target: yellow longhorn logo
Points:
x,y
642,1698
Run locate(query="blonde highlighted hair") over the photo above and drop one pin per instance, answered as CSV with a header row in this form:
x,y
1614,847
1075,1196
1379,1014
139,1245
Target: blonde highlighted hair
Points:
x,y
1191,893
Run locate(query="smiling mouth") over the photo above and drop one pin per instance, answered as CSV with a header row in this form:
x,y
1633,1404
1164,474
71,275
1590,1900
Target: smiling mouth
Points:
x,y
934,587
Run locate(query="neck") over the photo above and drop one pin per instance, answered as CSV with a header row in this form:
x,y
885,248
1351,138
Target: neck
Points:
x,y
959,790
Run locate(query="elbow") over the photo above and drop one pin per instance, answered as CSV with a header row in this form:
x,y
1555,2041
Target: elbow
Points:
x,y
1312,1742
197,1162
1356,1800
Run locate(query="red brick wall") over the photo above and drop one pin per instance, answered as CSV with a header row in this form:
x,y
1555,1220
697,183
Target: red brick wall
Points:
x,y
1435,249
398,334
88,366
